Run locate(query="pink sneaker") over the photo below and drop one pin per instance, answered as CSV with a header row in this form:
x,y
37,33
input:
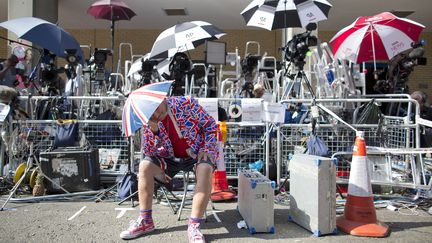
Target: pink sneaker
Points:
x,y
194,233
137,228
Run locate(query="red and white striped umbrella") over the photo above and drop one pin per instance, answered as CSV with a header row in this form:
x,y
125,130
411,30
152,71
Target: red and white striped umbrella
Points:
x,y
379,37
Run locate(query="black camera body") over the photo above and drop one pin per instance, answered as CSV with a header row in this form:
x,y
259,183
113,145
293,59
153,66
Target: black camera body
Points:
x,y
400,68
179,67
249,64
146,72
49,72
180,64
71,57
297,48
101,56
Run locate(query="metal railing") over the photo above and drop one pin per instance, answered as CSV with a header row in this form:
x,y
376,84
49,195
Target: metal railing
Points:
x,y
249,142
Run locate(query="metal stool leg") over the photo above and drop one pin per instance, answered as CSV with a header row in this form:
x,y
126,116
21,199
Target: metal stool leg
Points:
x,y
167,199
185,183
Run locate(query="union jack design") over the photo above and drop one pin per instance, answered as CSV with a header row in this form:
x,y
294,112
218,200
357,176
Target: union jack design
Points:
x,y
195,124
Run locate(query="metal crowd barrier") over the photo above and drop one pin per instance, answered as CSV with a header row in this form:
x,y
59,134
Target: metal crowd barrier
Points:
x,y
245,145
396,133
399,167
250,142
97,134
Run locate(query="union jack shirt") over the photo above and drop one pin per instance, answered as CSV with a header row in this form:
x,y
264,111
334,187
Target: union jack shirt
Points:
x,y
195,125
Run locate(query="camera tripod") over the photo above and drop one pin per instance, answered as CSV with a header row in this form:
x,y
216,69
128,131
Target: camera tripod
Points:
x,y
29,163
298,78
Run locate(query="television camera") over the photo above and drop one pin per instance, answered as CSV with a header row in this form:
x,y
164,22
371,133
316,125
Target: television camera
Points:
x,y
400,67
297,48
49,74
99,59
249,64
147,69
179,67
72,60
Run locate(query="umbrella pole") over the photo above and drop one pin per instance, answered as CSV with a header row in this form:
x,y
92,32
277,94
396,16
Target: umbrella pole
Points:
x,y
373,46
112,44
286,31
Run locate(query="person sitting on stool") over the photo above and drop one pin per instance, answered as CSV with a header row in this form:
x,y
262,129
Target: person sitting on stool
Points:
x,y
180,134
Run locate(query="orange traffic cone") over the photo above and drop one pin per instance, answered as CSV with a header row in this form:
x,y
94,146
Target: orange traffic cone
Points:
x,y
359,217
220,189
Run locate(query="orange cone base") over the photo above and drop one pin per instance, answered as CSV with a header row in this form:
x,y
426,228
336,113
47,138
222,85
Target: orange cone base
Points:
x,y
222,196
376,229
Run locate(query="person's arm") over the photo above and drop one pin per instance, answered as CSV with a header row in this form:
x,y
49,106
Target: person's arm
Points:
x,y
152,144
208,127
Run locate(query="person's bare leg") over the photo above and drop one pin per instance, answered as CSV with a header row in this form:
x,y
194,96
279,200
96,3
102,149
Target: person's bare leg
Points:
x,y
144,224
147,172
203,186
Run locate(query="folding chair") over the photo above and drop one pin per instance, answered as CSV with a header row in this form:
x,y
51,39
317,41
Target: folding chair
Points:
x,y
171,199
178,209
168,195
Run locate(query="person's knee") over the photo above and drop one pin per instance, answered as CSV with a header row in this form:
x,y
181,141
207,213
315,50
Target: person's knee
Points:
x,y
146,167
204,172
205,168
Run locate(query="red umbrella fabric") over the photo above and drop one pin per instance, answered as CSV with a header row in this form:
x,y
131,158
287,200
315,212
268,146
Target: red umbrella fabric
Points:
x,y
113,10
379,37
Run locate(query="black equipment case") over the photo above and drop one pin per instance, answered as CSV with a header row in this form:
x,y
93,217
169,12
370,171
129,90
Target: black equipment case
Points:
x,y
75,169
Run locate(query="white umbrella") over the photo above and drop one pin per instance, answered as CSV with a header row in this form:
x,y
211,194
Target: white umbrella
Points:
x,y
182,37
280,14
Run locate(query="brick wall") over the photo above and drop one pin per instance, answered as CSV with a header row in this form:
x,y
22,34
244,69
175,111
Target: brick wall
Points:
x,y
142,40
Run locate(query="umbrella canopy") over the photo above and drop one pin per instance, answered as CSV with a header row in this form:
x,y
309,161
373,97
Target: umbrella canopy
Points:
x,y
110,10
280,14
44,34
379,37
182,37
113,10
141,104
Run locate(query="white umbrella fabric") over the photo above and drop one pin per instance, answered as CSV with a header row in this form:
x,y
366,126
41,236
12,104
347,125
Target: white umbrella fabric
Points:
x,y
280,14
182,37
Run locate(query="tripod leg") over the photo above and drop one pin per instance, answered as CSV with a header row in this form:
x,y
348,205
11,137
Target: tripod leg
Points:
x,y
290,86
127,198
17,185
308,84
103,193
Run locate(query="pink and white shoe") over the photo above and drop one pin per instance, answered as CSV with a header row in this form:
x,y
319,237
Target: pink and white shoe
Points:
x,y
136,229
194,233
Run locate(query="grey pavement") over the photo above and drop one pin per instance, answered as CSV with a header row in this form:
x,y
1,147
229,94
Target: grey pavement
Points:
x,y
87,221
